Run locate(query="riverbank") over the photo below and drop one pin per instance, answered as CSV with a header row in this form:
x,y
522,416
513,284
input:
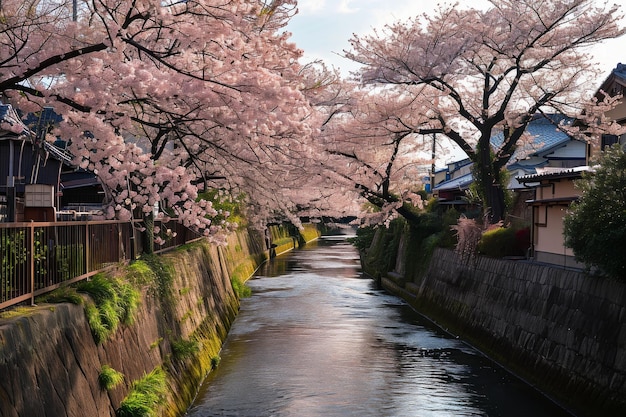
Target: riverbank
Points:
x,y
52,365
560,330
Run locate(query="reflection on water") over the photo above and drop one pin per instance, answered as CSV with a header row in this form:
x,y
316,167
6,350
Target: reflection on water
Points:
x,y
317,339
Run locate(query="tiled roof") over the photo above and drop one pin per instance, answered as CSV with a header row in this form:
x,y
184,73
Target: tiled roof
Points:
x,y
554,173
546,138
62,155
459,183
620,72
545,134
10,116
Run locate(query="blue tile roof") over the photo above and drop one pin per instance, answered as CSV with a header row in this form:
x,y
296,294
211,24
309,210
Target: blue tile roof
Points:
x,y
546,137
459,183
620,71
545,134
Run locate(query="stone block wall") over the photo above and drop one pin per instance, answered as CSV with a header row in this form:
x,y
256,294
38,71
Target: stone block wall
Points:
x,y
50,363
561,330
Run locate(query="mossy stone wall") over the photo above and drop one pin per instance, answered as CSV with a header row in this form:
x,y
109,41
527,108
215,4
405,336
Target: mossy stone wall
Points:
x,y
561,330
50,363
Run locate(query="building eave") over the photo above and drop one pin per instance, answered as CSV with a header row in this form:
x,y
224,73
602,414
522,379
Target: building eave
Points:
x,y
576,172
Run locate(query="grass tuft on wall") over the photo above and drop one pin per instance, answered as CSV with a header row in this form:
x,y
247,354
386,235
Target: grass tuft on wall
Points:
x,y
145,396
109,378
113,301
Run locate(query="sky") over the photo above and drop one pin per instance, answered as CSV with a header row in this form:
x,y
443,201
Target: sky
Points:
x,y
322,28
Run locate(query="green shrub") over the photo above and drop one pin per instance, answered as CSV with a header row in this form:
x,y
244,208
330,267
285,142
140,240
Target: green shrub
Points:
x,y
447,235
498,242
98,330
69,259
14,256
109,314
364,238
139,273
421,247
128,302
595,225
98,287
164,278
109,378
145,396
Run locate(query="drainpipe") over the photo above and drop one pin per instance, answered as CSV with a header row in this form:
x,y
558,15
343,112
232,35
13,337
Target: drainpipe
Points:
x,y
530,253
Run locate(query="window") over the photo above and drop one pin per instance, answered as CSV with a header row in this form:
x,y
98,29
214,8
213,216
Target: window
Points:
x,y
609,140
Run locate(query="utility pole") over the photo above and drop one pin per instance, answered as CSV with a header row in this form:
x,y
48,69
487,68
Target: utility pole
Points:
x,y
432,166
75,10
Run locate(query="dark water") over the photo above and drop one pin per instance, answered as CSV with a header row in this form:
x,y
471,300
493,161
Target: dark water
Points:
x,y
317,339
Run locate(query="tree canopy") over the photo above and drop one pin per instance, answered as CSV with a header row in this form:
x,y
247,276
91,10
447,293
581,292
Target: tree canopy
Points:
x,y
595,225
163,99
471,73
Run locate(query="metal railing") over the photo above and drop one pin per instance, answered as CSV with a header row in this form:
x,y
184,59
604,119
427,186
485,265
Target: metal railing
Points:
x,y
36,258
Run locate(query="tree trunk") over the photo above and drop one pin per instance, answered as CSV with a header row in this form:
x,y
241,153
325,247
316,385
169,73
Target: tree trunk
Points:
x,y
148,234
488,178
494,204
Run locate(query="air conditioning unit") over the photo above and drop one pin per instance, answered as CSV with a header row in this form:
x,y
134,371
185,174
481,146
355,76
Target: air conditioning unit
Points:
x,y
39,195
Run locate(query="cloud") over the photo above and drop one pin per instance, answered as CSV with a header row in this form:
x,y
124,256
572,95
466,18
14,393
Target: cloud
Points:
x,y
311,6
344,7
325,8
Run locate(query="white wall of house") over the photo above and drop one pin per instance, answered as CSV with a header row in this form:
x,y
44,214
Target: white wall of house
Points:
x,y
548,239
550,230
563,188
573,149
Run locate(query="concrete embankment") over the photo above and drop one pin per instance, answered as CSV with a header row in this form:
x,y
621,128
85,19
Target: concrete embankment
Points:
x,y
51,365
560,330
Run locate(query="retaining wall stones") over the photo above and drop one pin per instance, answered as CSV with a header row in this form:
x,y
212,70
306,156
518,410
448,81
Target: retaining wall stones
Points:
x,y
50,363
561,330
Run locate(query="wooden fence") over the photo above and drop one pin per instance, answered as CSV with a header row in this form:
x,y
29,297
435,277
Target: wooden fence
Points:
x,y
36,258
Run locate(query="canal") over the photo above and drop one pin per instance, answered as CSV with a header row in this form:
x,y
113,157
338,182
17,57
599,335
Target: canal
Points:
x,y
318,339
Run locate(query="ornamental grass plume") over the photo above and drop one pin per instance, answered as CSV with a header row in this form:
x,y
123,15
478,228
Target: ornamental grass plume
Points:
x,y
468,234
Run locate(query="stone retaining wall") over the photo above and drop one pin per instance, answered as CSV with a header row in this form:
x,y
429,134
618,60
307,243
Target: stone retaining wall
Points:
x,y
561,330
50,363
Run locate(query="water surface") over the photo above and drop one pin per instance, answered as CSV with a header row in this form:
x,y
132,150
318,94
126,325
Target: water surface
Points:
x,y
318,339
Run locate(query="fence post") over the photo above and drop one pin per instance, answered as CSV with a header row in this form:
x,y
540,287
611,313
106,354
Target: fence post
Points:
x,y
32,262
87,250
120,244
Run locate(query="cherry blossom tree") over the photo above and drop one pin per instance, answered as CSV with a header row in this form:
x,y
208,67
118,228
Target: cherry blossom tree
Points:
x,y
375,149
319,189
165,99
370,161
488,71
